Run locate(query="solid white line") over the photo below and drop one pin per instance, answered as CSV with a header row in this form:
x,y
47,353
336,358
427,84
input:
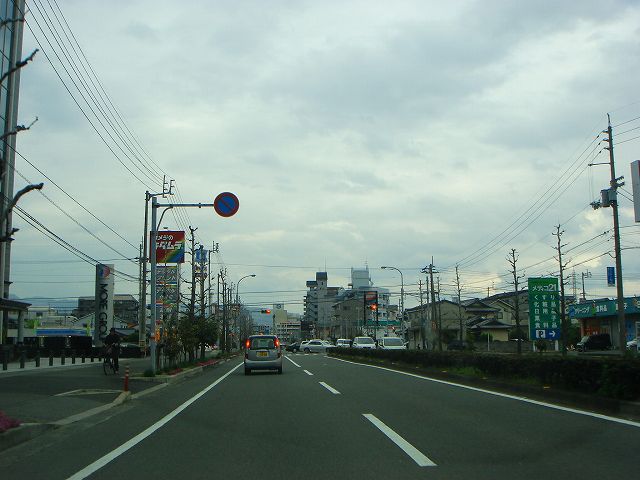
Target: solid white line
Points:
x,y
112,455
287,357
504,395
308,373
415,454
331,389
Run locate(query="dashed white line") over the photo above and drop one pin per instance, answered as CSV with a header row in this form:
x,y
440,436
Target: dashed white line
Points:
x,y
331,389
287,357
416,455
308,373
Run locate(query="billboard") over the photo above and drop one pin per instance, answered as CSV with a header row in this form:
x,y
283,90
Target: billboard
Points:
x,y
544,308
167,290
104,303
170,247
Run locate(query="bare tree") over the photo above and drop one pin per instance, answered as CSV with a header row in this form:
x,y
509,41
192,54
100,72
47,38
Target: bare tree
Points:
x,y
512,258
563,322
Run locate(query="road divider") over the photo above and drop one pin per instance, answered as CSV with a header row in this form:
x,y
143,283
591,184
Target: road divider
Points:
x,y
331,389
416,455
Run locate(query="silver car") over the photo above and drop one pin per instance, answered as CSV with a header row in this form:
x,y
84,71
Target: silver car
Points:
x,y
316,346
262,352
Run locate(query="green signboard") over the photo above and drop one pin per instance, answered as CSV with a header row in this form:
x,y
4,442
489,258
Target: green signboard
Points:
x,y
544,308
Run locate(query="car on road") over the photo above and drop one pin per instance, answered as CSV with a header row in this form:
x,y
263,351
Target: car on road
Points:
x,y
598,341
363,342
316,346
343,342
391,343
262,352
293,347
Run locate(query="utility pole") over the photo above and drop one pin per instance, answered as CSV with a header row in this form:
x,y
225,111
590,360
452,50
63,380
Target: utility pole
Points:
x,y
429,270
512,258
586,274
609,198
422,329
563,323
459,290
204,273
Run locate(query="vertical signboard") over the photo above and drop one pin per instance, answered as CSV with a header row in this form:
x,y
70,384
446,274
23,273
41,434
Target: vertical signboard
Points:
x,y
170,247
104,303
544,308
168,295
611,276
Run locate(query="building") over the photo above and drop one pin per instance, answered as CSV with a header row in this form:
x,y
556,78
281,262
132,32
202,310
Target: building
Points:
x,y
318,303
286,325
363,310
601,316
125,308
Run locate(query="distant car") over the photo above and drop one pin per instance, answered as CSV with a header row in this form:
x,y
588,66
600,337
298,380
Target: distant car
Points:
x,y
457,345
363,342
598,341
391,343
293,347
632,344
262,352
316,346
302,344
343,342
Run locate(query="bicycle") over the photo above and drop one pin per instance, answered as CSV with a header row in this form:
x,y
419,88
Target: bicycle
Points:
x,y
107,363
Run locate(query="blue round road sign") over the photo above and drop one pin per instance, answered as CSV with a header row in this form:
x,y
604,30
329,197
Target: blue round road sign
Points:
x,y
226,204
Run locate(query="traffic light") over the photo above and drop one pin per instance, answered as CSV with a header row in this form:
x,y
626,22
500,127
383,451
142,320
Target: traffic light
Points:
x,y
265,311
374,307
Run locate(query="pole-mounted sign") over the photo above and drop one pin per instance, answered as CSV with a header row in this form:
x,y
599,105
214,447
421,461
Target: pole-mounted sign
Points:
x,y
226,204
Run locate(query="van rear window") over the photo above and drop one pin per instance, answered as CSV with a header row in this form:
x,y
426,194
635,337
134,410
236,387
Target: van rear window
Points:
x,y
264,342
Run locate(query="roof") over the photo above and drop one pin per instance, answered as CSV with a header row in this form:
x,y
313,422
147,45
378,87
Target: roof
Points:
x,y
482,323
13,305
321,276
116,297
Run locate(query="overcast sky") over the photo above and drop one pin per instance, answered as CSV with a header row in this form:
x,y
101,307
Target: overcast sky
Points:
x,y
354,133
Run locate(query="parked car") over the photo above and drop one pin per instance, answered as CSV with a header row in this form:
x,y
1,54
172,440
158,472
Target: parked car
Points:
x,y
363,342
262,352
293,347
316,346
391,343
457,345
343,342
598,341
632,344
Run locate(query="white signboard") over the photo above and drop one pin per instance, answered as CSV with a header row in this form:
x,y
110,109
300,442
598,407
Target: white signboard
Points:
x,y
104,303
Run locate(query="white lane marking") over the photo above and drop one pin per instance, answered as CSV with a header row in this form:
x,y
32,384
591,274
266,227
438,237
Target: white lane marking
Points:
x,y
416,455
287,357
505,395
308,373
113,454
331,389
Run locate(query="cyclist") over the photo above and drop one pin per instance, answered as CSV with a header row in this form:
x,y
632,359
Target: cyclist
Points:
x,y
112,342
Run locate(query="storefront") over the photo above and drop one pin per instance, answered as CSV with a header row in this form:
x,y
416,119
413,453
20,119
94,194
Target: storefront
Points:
x,y
601,316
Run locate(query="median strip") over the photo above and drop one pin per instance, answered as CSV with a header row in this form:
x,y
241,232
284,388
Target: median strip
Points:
x,y
416,455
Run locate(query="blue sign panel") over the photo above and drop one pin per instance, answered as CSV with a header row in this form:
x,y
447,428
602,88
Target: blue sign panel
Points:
x,y
611,276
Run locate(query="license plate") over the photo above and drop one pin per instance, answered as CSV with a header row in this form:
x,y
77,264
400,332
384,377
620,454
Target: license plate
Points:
x,y
263,354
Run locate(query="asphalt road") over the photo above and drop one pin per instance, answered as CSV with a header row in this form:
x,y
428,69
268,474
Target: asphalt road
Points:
x,y
329,418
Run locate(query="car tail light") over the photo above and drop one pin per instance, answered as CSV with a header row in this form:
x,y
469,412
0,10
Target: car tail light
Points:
x,y
277,343
248,344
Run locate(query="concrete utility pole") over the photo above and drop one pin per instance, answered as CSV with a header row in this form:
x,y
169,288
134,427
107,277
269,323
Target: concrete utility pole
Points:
x,y
586,274
459,290
429,270
563,322
610,199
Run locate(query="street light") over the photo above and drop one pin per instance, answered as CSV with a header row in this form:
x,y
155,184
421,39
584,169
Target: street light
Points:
x,y
401,293
238,286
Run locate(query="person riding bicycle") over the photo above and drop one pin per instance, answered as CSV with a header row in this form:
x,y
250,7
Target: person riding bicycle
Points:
x,y
112,342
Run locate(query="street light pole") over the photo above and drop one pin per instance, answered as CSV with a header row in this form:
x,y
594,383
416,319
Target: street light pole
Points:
x,y
238,303
401,293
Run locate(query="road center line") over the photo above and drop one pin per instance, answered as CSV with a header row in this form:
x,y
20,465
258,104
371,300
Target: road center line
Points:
x,y
503,395
308,373
415,454
287,357
331,389
113,454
